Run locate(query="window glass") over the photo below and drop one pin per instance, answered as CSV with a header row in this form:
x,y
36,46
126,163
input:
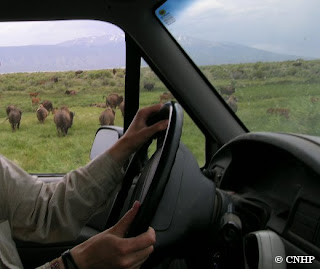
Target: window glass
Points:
x,y
70,63
262,56
154,91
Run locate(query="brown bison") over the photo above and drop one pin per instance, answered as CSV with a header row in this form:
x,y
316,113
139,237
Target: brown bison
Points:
x,y
113,100
121,107
47,105
314,99
42,113
232,103
54,79
166,96
107,117
102,105
148,86
78,72
63,118
33,94
9,108
72,92
35,100
14,117
285,112
227,90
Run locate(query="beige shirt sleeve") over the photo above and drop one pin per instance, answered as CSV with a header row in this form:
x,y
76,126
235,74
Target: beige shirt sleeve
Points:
x,y
51,212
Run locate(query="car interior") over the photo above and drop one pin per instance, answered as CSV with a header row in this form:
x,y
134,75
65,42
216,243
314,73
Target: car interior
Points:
x,y
252,200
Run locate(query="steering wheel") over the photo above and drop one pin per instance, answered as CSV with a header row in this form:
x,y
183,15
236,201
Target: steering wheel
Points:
x,y
150,174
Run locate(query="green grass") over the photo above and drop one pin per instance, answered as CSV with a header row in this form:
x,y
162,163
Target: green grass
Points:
x,y
259,87
36,147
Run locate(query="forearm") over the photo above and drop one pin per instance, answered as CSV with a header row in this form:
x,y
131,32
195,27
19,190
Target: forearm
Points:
x,y
61,209
121,151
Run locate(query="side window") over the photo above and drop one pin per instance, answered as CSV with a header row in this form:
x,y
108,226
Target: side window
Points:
x,y
153,91
77,64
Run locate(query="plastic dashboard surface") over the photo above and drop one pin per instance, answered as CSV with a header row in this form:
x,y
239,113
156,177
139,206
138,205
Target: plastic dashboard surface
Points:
x,y
281,172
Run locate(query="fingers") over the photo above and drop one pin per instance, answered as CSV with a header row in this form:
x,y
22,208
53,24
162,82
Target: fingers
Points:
x,y
139,249
122,226
159,126
144,113
147,111
138,258
142,241
137,134
137,243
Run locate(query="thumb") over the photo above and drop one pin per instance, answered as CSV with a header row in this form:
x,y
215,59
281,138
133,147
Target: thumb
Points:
x,y
122,226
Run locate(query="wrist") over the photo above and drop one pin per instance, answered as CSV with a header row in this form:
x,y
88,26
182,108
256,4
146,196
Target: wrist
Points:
x,y
68,261
80,255
121,151
57,264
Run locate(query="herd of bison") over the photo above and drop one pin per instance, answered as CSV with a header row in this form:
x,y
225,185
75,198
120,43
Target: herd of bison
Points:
x,y
63,117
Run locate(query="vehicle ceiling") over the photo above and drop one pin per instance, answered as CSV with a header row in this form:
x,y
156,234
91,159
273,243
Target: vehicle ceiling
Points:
x,y
213,117
61,10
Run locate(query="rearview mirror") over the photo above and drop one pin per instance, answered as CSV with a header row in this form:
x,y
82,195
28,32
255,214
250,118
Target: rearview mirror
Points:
x,y
105,137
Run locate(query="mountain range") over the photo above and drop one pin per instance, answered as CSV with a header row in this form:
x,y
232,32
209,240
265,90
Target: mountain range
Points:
x,y
108,51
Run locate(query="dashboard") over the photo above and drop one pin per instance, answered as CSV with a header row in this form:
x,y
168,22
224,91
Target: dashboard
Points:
x,y
280,173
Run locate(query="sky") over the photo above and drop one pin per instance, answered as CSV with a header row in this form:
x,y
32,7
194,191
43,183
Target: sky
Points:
x,y
52,32
284,26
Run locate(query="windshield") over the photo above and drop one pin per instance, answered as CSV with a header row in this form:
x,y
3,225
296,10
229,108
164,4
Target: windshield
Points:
x,y
261,56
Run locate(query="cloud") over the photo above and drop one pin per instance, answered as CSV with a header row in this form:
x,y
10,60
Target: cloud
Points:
x,y
51,32
284,25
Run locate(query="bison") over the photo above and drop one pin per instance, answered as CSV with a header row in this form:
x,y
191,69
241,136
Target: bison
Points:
x,y
103,105
227,90
54,79
166,96
78,72
63,118
107,117
285,112
232,103
148,86
14,117
9,108
121,107
35,100
113,100
47,105
72,92
33,94
42,113
314,99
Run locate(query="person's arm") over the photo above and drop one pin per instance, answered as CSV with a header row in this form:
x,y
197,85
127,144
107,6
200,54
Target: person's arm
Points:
x,y
52,212
110,249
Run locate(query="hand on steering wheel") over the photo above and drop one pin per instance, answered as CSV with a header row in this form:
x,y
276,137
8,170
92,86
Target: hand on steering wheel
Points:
x,y
153,174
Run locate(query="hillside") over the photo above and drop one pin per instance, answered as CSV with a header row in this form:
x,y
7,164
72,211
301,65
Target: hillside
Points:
x,y
108,51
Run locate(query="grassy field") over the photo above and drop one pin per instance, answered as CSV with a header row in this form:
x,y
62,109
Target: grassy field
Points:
x,y
259,87
37,147
293,86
